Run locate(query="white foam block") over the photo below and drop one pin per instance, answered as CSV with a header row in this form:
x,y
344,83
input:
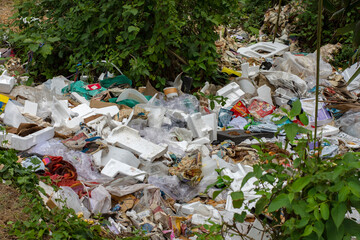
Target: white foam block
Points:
x,y
231,91
113,167
112,110
130,139
197,125
30,108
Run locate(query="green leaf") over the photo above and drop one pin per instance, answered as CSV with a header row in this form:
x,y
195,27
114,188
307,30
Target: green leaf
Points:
x,y
240,218
291,130
308,230
343,194
291,197
332,233
319,228
53,39
280,201
237,195
212,104
296,108
34,47
202,65
133,29
351,227
317,214
338,214
354,188
246,178
304,119
324,210
216,193
300,183
46,50
260,205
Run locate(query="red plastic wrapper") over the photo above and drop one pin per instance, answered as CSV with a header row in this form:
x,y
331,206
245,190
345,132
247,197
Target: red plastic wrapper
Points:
x,y
260,109
93,86
240,110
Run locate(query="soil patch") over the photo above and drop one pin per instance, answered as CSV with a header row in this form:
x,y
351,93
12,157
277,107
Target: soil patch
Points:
x,y
11,209
6,11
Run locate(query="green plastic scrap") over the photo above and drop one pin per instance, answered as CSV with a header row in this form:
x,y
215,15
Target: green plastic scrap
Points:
x,y
79,87
116,81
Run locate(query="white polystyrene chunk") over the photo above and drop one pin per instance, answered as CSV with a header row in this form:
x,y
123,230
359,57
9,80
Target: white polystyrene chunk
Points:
x,y
112,110
197,125
113,167
232,92
30,108
211,120
130,139
121,155
6,82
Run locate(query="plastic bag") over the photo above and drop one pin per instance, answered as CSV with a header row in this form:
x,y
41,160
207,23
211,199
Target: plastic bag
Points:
x,y
350,123
287,81
81,161
302,66
172,186
100,201
71,200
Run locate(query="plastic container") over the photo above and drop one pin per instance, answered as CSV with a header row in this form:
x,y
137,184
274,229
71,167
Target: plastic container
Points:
x,y
171,92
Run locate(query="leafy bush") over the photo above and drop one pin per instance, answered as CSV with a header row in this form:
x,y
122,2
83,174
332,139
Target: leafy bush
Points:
x,y
310,199
60,223
148,39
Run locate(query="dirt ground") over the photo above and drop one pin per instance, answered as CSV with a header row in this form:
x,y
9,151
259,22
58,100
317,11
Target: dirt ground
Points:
x,y
5,10
10,209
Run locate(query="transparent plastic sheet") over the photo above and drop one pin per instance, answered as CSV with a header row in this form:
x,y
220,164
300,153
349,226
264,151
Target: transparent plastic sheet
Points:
x,y
186,103
151,198
161,135
302,66
71,200
100,201
350,123
40,95
172,186
287,81
155,168
81,161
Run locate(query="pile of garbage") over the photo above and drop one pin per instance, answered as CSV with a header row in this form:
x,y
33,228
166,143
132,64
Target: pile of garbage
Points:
x,y
145,158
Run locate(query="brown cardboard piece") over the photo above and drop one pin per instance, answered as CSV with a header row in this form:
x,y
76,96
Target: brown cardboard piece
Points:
x,y
150,90
99,104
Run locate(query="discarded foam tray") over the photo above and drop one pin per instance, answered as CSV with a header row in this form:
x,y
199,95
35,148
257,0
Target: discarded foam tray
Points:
x,y
238,136
263,49
23,143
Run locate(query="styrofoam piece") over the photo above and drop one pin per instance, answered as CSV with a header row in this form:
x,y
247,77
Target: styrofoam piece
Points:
x,y
211,120
328,130
79,98
121,155
30,108
270,49
231,91
129,138
249,71
12,115
197,125
23,143
112,110
6,82
132,94
113,167
201,141
83,110
60,113
264,93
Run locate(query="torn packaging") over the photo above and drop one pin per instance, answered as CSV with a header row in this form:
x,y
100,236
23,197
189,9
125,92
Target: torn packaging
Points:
x,y
189,169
